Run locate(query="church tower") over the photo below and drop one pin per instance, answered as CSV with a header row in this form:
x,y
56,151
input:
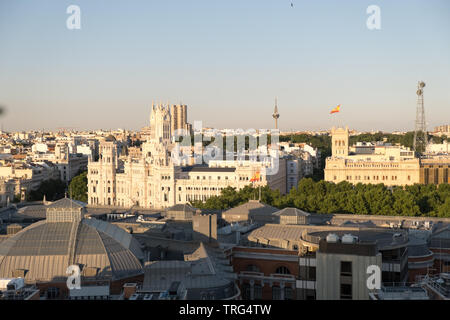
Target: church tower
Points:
x,y
339,141
160,124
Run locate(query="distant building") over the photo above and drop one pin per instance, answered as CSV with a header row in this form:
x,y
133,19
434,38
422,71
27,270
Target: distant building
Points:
x,y
253,211
435,170
442,148
180,212
293,216
442,130
7,191
179,118
155,180
367,163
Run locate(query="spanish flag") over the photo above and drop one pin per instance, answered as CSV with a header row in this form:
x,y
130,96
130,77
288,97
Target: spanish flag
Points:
x,y
335,110
256,177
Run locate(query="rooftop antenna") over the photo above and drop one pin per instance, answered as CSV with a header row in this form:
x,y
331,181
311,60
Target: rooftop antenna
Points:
x,y
420,132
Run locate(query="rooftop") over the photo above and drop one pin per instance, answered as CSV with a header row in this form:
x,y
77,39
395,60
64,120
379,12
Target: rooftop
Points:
x,y
251,207
44,249
293,212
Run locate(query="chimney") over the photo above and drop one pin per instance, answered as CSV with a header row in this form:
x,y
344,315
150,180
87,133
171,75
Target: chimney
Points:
x,y
129,289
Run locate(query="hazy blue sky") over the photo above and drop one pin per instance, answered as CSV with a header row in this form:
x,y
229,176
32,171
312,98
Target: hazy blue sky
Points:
x,y
227,60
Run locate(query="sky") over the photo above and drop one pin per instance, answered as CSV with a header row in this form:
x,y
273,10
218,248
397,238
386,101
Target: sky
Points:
x,y
227,60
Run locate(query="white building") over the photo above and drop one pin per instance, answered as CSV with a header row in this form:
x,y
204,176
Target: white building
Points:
x,y
155,181
370,163
442,148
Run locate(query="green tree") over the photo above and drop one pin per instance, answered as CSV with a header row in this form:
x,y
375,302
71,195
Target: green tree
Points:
x,y
52,189
78,187
444,210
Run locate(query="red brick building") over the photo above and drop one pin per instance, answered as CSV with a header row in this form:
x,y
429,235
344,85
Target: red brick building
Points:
x,y
266,274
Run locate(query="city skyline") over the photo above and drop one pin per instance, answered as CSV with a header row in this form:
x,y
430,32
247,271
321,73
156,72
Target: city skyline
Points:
x,y
250,152
226,61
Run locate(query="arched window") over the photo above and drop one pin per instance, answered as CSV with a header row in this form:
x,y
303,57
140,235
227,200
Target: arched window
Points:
x,y
282,270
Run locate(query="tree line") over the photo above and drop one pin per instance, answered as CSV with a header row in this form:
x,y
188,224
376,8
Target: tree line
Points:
x,y
327,197
55,189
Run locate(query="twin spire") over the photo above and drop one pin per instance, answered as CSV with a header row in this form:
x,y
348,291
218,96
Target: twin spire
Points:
x,y
160,105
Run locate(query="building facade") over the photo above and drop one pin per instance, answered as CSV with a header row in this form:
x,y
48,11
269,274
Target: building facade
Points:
x,y
435,170
390,165
154,180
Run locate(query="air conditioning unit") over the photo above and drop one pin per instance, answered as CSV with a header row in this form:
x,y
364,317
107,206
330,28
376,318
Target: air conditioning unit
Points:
x,y
332,238
349,238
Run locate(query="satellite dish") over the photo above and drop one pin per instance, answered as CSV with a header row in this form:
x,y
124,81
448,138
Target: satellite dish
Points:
x,y
419,92
422,84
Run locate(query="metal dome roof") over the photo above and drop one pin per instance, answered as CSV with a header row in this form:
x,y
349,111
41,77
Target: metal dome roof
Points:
x,y
45,250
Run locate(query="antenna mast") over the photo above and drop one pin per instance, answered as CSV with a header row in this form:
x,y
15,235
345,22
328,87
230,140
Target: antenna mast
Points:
x,y
420,132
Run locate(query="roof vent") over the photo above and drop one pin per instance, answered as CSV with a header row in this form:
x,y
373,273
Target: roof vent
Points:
x,y
332,238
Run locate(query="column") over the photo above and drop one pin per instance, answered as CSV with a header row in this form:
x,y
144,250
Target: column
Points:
x,y
252,289
281,290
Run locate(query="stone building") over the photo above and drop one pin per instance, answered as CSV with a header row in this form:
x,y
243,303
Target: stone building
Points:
x,y
435,170
367,163
154,180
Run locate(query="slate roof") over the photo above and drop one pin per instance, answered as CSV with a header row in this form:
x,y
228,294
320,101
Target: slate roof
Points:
x,y
252,207
293,212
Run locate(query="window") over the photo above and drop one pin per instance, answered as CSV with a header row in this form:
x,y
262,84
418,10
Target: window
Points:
x,y
246,291
288,293
346,291
276,293
52,293
257,292
252,268
282,270
346,268
307,273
